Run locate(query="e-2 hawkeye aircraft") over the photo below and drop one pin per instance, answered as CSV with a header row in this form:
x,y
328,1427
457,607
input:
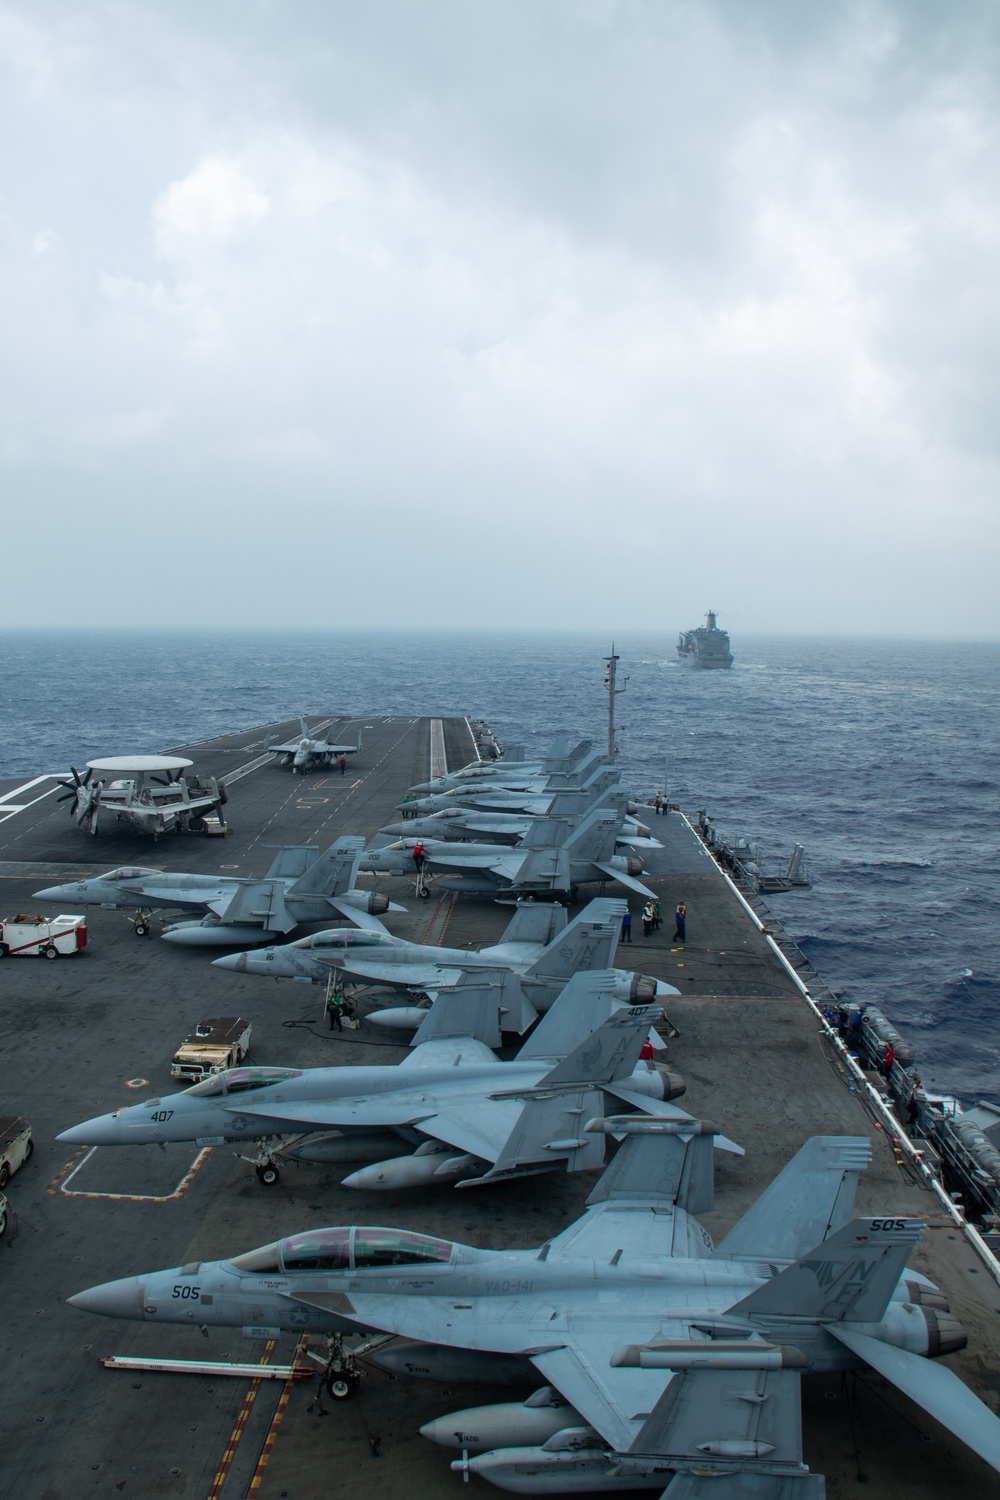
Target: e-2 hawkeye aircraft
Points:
x,y
538,947
676,1363
302,885
305,754
473,1118
146,791
553,858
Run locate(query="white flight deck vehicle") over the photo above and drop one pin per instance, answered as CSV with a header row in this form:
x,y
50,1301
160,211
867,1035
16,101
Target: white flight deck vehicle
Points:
x,y
45,937
667,1361
147,791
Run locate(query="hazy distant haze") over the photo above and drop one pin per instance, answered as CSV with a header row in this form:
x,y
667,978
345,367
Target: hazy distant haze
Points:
x,y
519,313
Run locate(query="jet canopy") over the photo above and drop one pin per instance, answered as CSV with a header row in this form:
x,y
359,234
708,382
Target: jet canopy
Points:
x,y
239,1080
130,872
346,937
345,1249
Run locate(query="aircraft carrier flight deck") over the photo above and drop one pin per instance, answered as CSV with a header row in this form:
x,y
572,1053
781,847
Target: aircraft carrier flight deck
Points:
x,y
97,1030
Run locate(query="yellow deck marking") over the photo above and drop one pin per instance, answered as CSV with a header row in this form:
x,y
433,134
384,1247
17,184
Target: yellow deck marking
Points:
x,y
238,1427
60,1182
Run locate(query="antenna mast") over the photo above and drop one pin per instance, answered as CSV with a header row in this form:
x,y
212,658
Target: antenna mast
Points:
x,y
611,662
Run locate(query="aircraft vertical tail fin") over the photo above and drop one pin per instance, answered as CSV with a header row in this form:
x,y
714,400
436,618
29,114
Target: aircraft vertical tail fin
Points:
x,y
304,727
851,1275
594,839
609,1053
549,1127
583,1005
334,872
588,942
811,1197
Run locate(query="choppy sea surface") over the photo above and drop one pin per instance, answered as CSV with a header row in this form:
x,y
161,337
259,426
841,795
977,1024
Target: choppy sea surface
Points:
x,y
879,756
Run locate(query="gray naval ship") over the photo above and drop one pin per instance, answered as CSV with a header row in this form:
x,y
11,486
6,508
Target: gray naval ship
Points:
x,y
708,646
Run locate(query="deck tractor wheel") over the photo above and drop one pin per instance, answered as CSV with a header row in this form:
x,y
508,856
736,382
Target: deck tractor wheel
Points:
x,y
50,950
337,1386
268,1174
28,1149
3,1221
4,1175
4,950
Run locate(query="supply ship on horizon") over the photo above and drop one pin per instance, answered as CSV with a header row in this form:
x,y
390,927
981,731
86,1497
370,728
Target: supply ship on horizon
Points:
x,y
707,646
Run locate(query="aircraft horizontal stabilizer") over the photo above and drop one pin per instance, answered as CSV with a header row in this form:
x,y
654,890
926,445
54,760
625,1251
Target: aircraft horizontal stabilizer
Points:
x,y
627,880
932,1386
361,918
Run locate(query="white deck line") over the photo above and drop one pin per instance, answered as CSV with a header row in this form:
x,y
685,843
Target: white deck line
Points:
x,y
970,1231
439,762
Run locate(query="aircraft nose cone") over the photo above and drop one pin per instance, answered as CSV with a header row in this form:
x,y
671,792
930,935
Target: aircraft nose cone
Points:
x,y
394,828
51,893
102,1130
235,961
115,1299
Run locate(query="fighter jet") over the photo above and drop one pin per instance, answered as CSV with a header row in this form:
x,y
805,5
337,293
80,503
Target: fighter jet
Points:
x,y
672,1357
129,787
305,754
474,1119
538,948
461,821
301,886
552,858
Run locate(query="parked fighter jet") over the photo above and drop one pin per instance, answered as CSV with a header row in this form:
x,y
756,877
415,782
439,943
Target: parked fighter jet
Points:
x,y
538,947
128,786
458,823
475,1119
301,886
305,754
670,1355
551,858
537,800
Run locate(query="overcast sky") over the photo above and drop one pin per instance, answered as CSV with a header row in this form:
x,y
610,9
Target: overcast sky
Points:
x,y
501,312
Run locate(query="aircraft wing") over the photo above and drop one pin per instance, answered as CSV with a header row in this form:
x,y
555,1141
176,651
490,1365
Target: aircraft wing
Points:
x,y
932,1386
212,899
664,1110
288,749
332,1114
472,1123
403,976
581,1371
447,1052
363,919
262,903
504,865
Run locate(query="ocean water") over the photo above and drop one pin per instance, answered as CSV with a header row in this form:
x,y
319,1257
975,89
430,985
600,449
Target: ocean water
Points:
x,y
879,756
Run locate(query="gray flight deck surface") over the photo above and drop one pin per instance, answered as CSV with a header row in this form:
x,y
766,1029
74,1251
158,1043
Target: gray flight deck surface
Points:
x,y
75,1031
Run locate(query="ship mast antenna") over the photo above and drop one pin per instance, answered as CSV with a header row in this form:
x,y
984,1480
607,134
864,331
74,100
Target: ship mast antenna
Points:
x,y
611,662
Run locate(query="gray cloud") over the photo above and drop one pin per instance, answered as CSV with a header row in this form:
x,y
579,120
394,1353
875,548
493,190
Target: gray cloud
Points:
x,y
524,313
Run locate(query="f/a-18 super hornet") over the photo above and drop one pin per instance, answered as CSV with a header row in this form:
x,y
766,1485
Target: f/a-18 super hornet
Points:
x,y
458,821
147,791
302,885
553,858
666,1361
539,949
472,1118
306,754
565,767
